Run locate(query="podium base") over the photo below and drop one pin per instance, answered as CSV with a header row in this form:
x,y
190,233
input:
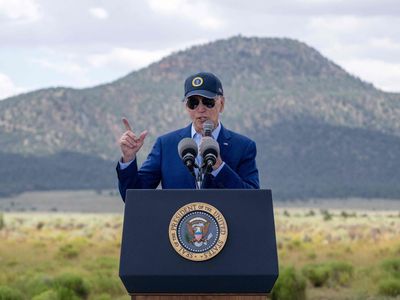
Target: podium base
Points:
x,y
199,297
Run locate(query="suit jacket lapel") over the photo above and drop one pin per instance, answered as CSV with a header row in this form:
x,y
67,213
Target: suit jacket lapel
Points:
x,y
186,132
223,141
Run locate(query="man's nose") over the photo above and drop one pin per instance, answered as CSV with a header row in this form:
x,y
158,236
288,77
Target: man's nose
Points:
x,y
201,106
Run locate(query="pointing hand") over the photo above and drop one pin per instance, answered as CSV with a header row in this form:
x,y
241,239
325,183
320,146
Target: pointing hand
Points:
x,y
130,144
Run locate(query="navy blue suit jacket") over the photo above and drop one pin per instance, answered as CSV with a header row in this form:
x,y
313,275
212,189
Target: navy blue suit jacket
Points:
x,y
164,164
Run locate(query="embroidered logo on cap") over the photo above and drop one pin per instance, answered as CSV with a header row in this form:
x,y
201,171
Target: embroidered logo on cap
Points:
x,y
197,81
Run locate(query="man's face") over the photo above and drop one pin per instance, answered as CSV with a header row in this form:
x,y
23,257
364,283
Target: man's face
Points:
x,y
203,111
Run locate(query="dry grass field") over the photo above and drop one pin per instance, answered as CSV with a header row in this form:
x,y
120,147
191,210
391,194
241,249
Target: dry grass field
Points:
x,y
335,254
43,256
342,254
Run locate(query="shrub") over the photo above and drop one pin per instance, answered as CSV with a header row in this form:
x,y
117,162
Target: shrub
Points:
x,y
326,215
310,213
294,244
341,272
317,274
105,281
331,273
289,286
1,221
64,293
389,287
312,255
46,295
7,293
392,266
59,293
74,283
104,297
345,214
68,251
397,250
37,284
106,262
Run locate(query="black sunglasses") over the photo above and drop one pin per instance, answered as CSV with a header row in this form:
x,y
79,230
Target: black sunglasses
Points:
x,y
192,103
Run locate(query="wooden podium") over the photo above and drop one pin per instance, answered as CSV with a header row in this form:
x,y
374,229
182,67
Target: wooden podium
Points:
x,y
246,267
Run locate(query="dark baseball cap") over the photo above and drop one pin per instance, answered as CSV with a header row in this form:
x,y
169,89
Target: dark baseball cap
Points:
x,y
203,84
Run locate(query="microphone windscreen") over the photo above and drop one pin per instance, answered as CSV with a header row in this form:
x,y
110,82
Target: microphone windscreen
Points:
x,y
187,145
208,145
208,127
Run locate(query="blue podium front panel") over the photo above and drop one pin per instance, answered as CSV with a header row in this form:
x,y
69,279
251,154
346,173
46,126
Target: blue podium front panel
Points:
x,y
248,262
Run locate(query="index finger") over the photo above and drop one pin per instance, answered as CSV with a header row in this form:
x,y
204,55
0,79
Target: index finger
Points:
x,y
126,124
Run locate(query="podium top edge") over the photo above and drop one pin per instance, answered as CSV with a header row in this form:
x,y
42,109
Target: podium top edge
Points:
x,y
200,294
268,190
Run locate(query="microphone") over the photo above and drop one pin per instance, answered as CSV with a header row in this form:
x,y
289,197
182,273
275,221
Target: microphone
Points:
x,y
209,150
187,149
208,127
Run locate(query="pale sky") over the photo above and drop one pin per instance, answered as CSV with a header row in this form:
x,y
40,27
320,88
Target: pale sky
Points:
x,y
47,43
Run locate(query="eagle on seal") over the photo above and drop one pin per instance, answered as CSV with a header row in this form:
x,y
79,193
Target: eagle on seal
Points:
x,y
198,230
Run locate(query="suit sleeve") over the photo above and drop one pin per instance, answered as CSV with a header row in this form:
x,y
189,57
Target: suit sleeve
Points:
x,y
246,176
149,175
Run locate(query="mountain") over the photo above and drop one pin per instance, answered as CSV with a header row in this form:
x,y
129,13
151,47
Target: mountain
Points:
x,y
320,131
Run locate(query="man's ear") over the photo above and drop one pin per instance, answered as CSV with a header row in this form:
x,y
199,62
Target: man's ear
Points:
x,y
222,99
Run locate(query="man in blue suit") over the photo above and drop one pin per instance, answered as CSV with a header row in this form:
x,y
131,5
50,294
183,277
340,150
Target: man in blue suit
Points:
x,y
235,167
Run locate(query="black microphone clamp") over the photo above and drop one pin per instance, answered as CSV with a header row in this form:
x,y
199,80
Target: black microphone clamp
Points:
x,y
209,161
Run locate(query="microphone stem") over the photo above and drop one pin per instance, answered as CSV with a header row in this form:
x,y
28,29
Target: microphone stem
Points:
x,y
199,179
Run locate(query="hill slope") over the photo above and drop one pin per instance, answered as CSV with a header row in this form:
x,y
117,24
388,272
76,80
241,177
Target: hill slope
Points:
x,y
280,92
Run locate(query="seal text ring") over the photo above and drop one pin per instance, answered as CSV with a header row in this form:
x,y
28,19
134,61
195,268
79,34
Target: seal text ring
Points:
x,y
198,231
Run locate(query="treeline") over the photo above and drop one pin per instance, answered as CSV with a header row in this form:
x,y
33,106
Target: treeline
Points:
x,y
61,171
310,159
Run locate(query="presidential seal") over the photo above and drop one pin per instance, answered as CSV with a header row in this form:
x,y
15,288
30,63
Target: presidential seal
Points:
x,y
198,231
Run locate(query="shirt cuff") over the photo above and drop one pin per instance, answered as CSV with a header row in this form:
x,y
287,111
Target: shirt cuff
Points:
x,y
123,165
215,172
